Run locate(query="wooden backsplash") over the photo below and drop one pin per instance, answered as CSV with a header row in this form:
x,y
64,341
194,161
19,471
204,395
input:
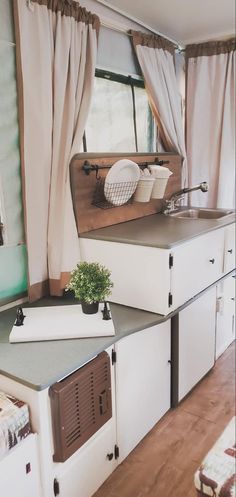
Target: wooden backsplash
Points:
x,y
88,216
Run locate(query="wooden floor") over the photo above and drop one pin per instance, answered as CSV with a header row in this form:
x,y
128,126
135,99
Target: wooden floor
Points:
x,y
164,462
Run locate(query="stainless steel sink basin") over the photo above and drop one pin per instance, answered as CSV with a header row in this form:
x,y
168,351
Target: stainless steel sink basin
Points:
x,y
200,213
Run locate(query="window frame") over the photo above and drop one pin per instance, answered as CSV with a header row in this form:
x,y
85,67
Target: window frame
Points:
x,y
120,78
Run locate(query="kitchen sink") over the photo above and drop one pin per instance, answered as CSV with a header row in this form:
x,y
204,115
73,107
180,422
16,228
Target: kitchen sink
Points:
x,y
200,213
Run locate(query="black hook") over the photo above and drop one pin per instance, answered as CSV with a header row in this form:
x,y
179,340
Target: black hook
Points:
x,y
19,317
106,312
97,169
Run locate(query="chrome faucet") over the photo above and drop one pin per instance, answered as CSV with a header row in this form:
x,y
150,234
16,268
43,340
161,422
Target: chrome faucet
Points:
x,y
174,201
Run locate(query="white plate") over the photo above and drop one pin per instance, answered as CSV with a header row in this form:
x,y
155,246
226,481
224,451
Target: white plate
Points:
x,y
123,171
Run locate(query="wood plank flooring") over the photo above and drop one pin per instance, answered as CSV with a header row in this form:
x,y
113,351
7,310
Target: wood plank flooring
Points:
x,y
164,462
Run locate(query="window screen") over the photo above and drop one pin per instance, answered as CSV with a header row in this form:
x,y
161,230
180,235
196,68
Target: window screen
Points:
x,y
116,113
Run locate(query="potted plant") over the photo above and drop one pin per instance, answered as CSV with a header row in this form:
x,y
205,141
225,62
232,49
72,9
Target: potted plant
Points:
x,y
91,284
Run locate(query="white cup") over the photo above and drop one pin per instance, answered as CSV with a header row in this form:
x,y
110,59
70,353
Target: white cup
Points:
x,y
159,188
161,175
144,189
160,171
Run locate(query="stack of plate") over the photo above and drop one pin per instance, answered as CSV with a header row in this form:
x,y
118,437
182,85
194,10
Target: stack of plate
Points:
x,y
121,181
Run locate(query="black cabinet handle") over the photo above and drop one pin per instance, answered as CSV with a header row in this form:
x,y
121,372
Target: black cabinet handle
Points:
x,y
230,251
110,456
212,261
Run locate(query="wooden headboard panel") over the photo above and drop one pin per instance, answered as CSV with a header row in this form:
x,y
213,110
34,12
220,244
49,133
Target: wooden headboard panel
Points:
x,y
89,217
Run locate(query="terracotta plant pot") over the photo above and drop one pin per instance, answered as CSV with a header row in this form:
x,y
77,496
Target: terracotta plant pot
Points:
x,y
89,308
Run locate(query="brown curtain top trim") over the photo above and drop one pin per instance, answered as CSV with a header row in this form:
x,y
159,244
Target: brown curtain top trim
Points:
x,y
73,9
211,48
152,41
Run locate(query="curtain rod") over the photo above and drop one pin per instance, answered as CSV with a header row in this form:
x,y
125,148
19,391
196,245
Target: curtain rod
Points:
x,y
115,28
123,31
137,21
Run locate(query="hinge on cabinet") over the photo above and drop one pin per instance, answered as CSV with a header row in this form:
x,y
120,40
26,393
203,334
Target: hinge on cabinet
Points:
x,y
56,487
113,356
170,299
171,261
116,451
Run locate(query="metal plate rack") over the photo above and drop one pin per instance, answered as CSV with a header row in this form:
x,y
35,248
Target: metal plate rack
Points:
x,y
121,193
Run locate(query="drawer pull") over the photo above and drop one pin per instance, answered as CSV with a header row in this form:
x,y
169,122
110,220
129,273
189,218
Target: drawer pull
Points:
x,y
212,261
230,251
110,456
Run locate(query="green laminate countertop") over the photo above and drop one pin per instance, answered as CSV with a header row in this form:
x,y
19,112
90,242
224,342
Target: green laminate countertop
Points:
x,y
40,364
158,230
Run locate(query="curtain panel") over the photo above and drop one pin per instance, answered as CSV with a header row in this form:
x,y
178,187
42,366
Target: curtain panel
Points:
x,y
156,58
210,121
56,42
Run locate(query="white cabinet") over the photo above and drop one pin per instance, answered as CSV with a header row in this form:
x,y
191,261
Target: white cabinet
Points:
x,y
141,274
196,342
86,470
19,470
142,384
196,265
161,280
225,317
229,249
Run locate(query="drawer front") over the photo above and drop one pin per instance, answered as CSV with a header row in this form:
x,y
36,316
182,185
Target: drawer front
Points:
x,y
197,264
229,250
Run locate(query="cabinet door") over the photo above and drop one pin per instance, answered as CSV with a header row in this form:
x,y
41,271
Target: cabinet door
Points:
x,y
140,274
225,317
197,264
142,384
19,470
229,251
196,341
86,470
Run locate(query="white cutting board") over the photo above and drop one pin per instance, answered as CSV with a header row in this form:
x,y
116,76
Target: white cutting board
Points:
x,y
59,323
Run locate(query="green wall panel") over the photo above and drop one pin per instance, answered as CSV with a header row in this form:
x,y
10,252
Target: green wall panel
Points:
x,y
13,271
13,256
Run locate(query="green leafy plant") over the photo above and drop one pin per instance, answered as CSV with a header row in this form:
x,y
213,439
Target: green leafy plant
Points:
x,y
90,282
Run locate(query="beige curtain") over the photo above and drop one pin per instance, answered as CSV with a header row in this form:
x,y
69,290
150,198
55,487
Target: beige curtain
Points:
x,y
56,55
210,119
156,58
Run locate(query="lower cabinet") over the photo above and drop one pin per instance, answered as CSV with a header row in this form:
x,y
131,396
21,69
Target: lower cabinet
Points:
x,y
142,384
148,368
83,473
225,316
19,470
193,344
